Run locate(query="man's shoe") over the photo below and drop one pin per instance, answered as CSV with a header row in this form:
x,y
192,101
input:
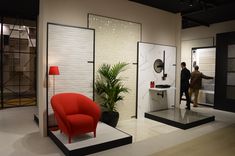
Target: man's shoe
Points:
x,y
188,108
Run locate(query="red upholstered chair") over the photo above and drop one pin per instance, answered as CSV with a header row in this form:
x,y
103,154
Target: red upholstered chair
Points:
x,y
75,114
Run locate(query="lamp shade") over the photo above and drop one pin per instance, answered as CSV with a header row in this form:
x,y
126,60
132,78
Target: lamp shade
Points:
x,y
54,70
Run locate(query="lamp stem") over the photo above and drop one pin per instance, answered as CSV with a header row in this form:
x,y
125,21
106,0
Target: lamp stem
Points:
x,y
53,84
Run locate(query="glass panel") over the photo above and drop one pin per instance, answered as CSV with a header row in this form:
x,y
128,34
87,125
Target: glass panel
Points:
x,y
231,79
230,92
231,65
231,51
11,88
205,59
19,58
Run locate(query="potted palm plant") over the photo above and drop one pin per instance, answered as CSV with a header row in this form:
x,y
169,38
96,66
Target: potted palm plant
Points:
x,y
109,87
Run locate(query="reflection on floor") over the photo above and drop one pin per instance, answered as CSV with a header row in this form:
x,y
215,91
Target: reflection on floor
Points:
x,y
19,134
218,143
144,128
23,102
180,118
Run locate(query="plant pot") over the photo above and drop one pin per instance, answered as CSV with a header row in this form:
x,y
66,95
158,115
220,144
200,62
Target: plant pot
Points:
x,y
110,118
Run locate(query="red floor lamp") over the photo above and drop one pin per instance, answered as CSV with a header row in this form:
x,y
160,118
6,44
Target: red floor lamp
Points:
x,y
54,70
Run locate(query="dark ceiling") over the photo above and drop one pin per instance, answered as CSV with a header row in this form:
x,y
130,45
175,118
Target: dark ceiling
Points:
x,y
196,12
27,9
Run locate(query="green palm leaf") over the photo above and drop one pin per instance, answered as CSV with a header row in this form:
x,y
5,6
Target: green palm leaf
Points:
x,y
109,85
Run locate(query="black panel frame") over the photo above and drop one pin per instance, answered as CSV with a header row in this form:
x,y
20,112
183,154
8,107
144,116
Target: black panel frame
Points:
x,y
137,88
93,61
222,42
134,63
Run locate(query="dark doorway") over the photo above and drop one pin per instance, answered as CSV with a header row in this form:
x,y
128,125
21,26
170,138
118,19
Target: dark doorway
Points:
x,y
225,72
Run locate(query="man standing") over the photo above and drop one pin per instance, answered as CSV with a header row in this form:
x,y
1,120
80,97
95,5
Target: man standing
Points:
x,y
184,86
196,84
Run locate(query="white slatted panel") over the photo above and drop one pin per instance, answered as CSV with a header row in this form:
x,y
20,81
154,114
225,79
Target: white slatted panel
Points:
x,y
70,48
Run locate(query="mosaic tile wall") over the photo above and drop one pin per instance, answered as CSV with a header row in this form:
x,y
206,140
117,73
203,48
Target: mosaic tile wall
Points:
x,y
116,41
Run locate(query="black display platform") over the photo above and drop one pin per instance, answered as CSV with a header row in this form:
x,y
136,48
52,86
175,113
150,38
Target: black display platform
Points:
x,y
107,138
35,118
180,118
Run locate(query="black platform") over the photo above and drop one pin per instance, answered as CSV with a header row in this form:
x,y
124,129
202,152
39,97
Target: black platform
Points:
x,y
107,138
35,118
180,118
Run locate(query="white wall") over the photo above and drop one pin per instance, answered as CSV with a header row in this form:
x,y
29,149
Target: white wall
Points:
x,y
157,27
201,36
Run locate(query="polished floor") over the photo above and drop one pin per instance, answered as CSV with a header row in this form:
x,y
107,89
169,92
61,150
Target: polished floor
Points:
x,y
142,129
218,143
19,134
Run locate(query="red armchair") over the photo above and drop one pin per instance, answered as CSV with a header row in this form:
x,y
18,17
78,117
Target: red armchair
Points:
x,y
75,114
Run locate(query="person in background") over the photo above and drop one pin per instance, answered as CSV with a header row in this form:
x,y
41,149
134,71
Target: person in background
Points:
x,y
196,84
184,85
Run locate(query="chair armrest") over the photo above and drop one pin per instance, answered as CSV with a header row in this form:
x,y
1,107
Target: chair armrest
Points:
x,y
89,107
60,114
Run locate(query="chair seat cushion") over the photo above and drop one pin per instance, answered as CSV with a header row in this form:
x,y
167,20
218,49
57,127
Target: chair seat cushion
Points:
x,y
81,123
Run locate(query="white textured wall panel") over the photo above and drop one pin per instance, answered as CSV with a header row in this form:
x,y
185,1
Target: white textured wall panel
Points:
x,y
70,48
116,41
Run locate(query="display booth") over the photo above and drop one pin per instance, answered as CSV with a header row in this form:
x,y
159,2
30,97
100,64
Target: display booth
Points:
x,y
70,69
156,88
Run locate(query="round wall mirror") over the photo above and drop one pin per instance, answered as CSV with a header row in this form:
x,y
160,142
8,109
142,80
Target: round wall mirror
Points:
x,y
158,65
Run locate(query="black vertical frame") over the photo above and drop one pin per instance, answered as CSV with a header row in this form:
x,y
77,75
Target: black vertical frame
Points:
x,y
1,61
47,48
222,42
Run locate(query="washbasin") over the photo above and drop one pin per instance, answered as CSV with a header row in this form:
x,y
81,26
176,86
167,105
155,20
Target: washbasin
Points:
x,y
163,86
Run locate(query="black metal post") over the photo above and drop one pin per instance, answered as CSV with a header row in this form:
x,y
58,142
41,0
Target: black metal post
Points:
x,y
1,61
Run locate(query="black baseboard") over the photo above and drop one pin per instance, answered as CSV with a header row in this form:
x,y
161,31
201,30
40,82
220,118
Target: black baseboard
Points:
x,y
178,124
90,149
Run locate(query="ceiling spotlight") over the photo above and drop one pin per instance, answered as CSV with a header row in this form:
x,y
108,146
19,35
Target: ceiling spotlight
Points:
x,y
191,3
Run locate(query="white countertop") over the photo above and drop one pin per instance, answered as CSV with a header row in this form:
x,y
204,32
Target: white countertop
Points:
x,y
161,89
207,91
